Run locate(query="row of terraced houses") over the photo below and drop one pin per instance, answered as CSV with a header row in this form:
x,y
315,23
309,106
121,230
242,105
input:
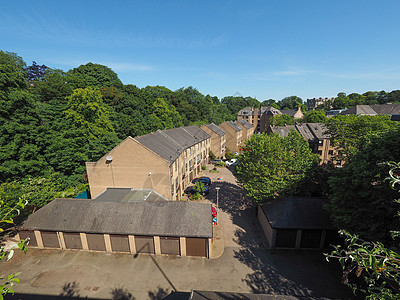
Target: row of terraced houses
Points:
x,y
166,160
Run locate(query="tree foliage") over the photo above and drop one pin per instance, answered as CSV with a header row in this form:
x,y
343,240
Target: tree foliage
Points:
x,y
314,116
280,120
368,266
361,202
350,132
272,166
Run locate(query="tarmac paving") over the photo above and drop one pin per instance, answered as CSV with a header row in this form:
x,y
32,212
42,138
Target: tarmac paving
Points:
x,y
240,263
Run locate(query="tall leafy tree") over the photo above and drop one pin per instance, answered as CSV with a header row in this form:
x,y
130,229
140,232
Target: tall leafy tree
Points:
x,y
87,111
314,116
272,166
361,201
350,132
291,102
93,75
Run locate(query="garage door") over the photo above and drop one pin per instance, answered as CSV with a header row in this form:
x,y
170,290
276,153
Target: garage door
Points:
x,y
50,239
286,238
169,245
96,241
119,243
144,244
310,238
72,240
24,234
196,247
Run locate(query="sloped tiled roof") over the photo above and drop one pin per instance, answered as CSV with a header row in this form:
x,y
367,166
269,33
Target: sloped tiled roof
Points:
x,y
181,136
282,130
386,109
216,129
197,132
165,218
289,112
310,131
245,123
234,125
162,145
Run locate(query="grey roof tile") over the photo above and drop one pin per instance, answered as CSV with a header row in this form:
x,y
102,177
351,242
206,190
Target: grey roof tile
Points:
x,y
245,123
235,126
166,218
129,195
162,145
305,213
197,132
216,129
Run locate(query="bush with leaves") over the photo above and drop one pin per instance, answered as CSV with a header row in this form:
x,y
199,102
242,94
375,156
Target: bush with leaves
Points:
x,y
6,221
369,267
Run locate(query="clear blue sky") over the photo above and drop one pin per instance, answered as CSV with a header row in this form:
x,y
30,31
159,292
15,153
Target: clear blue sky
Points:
x,y
264,49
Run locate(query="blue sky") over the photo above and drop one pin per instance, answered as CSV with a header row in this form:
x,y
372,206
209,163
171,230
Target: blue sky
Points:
x,y
263,49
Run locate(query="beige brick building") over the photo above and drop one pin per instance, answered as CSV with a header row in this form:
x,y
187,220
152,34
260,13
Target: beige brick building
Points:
x,y
258,117
165,161
218,139
234,137
317,139
247,129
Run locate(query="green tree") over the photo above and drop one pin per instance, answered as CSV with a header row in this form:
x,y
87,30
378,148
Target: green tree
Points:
x,y
164,116
314,116
93,75
360,200
272,166
87,111
291,102
270,102
350,132
280,120
375,267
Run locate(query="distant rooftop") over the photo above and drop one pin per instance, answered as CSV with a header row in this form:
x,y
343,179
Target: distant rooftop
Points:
x,y
246,124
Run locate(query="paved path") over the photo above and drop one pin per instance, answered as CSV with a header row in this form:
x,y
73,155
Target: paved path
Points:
x,y
244,265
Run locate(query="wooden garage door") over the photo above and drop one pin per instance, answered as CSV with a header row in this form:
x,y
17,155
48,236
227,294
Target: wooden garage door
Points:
x,y
96,241
196,247
72,240
169,245
144,244
119,243
24,234
50,239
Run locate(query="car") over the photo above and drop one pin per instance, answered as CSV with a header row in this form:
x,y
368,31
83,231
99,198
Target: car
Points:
x,y
203,179
231,162
190,190
215,161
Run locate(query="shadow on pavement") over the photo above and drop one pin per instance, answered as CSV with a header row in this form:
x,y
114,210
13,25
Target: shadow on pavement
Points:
x,y
295,273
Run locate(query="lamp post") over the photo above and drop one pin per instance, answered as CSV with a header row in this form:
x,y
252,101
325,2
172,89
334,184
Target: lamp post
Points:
x,y
217,189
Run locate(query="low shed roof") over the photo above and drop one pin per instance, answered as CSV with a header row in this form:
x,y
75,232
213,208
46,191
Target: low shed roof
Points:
x,y
136,218
129,195
301,213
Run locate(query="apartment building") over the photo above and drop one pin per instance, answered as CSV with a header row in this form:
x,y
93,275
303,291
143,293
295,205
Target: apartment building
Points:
x,y
258,117
234,137
218,139
247,129
165,161
315,102
317,139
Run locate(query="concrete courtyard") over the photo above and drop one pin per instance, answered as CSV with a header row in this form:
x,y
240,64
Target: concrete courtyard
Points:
x,y
241,264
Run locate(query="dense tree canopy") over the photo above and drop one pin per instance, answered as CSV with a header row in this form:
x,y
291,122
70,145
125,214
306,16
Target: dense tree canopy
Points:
x,y
351,132
361,201
314,116
272,166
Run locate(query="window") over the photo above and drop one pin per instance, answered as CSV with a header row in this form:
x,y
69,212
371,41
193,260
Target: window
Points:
x,y
319,152
330,152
